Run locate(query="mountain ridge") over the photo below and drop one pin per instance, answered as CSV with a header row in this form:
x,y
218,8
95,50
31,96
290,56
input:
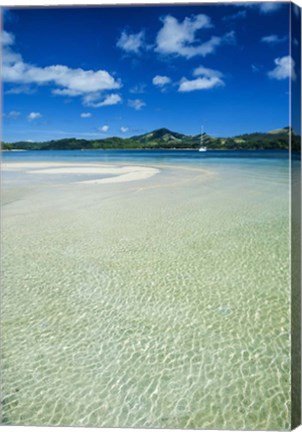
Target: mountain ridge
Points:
x,y
164,138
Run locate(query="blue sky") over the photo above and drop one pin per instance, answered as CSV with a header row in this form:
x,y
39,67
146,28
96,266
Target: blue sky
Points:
x,y
117,71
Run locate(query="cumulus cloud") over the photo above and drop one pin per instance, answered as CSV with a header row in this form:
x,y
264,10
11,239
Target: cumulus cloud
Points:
x,y
206,79
104,128
34,116
111,99
86,115
136,104
131,42
92,100
273,39
124,129
285,68
161,81
75,82
203,83
179,38
68,81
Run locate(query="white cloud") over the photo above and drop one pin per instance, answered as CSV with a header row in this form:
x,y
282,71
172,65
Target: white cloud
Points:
x,y
8,55
12,115
176,37
285,68
206,79
68,81
131,42
207,72
273,39
86,115
7,38
75,82
137,104
91,100
111,99
104,128
161,81
203,83
179,37
34,116
124,129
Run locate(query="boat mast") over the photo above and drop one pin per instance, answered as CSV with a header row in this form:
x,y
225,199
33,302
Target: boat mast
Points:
x,y
201,136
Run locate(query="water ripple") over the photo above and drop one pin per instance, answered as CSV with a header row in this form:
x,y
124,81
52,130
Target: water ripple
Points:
x,y
158,304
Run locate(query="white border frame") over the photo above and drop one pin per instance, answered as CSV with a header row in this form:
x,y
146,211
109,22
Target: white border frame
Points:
x,y
53,3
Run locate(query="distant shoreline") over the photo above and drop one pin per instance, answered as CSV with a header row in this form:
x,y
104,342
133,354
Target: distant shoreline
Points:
x,y
147,149
164,139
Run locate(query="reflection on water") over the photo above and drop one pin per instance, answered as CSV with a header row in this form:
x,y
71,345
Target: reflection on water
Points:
x,y
161,302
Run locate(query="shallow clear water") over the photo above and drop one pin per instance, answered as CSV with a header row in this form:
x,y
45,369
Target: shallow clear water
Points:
x,y
162,302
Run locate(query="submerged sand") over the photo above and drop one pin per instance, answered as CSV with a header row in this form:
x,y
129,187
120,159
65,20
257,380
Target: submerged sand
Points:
x,y
162,302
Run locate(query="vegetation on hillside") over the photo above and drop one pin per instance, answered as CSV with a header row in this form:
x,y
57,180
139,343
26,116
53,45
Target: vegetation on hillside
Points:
x,y
166,139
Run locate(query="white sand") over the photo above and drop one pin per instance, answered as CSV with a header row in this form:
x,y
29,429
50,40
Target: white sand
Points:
x,y
121,174
131,176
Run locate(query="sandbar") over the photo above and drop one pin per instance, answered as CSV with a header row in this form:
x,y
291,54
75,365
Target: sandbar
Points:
x,y
121,174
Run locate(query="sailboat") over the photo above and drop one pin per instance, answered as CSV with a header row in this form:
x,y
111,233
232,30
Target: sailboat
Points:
x,y
202,148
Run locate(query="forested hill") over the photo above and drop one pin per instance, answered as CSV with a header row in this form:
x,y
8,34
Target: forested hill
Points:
x,y
166,139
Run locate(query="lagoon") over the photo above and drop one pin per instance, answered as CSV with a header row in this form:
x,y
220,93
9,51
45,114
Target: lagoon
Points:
x,y
162,301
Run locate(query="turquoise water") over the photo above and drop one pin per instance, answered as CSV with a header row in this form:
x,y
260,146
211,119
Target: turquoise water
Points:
x,y
161,302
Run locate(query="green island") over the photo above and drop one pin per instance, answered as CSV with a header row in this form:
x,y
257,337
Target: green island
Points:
x,y
165,139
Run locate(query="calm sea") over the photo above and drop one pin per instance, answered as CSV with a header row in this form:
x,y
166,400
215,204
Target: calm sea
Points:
x,y
162,302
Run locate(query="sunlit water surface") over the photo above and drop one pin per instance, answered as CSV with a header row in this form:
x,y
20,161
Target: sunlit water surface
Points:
x,y
162,302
